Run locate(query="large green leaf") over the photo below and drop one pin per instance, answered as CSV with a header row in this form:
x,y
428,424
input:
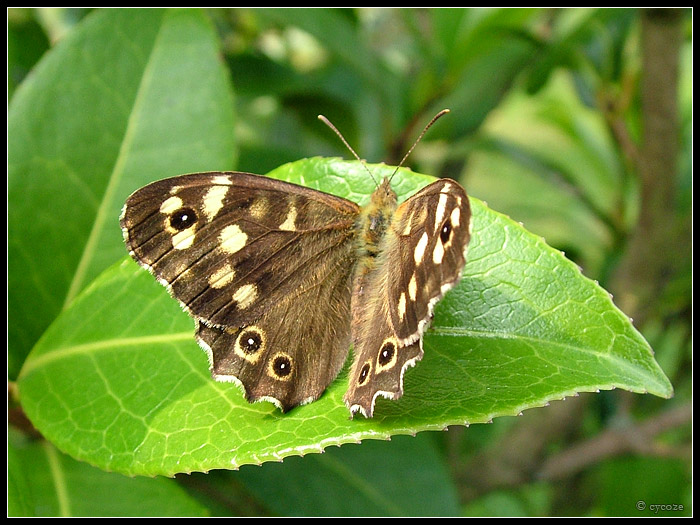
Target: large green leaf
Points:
x,y
44,482
371,480
118,380
127,96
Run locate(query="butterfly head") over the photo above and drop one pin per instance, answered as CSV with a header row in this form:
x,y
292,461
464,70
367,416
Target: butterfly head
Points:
x,y
384,196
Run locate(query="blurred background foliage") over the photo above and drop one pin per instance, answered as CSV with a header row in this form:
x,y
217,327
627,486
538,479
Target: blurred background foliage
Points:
x,y
576,122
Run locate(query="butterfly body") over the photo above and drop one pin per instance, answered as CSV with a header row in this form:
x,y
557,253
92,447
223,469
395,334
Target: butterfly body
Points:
x,y
282,280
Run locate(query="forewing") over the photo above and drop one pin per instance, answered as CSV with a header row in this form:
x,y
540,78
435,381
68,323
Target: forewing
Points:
x,y
228,246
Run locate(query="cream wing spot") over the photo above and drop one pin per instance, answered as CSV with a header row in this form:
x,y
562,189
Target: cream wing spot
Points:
x,y
289,221
454,217
402,305
170,205
420,248
245,295
440,212
222,180
259,208
184,239
412,287
409,224
232,238
222,276
214,201
438,253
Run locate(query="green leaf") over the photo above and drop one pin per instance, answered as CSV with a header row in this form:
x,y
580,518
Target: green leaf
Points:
x,y
53,484
126,97
20,501
370,480
118,380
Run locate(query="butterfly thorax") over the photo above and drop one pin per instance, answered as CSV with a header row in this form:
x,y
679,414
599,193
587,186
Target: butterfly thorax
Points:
x,y
374,221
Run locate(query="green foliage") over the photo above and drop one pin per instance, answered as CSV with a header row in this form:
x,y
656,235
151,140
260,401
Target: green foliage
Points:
x,y
44,482
123,100
358,481
106,364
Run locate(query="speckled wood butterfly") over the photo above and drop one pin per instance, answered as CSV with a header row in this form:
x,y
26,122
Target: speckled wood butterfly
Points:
x,y
281,279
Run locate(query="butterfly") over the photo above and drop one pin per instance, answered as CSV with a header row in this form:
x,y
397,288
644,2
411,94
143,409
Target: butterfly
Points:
x,y
282,280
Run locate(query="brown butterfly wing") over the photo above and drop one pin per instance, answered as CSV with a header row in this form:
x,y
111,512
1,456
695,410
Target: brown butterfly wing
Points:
x,y
265,268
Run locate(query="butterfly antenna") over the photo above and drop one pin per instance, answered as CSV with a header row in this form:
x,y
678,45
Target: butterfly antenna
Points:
x,y
330,125
425,129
